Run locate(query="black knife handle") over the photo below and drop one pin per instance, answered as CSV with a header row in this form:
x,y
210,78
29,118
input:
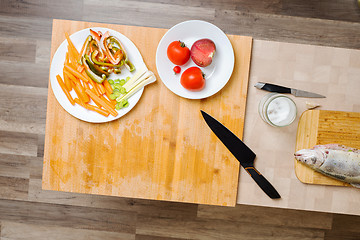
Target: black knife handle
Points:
x,y
275,88
264,184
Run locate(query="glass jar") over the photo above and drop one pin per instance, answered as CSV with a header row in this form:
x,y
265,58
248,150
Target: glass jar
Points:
x,y
277,110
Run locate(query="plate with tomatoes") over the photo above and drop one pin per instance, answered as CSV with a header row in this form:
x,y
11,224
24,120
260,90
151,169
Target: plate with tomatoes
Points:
x,y
195,59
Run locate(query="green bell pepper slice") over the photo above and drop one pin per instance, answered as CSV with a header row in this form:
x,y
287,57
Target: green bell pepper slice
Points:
x,y
90,73
96,69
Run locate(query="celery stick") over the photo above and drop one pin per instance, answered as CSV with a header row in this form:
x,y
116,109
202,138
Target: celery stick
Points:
x,y
136,76
146,75
142,84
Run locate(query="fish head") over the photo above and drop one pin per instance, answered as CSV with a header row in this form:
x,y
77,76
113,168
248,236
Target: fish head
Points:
x,y
311,157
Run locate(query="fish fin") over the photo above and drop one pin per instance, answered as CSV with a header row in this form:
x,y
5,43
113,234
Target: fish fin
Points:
x,y
357,185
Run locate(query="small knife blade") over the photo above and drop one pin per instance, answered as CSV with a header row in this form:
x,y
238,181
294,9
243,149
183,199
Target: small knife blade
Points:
x,y
280,89
241,152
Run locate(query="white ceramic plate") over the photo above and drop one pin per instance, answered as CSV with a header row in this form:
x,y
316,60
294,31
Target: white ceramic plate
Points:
x,y
217,74
57,65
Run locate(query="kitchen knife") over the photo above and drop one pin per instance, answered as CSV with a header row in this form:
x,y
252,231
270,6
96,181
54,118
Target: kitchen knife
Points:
x,y
241,152
280,89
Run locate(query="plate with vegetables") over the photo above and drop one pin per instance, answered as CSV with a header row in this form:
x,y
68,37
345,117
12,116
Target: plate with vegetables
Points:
x,y
98,75
195,59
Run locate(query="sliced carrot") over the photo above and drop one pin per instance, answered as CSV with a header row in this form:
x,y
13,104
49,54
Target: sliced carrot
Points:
x,y
102,102
98,89
75,72
71,55
67,57
114,102
108,92
74,58
73,51
109,102
107,87
86,86
71,77
109,99
83,48
63,87
81,103
92,83
80,68
107,95
72,84
72,47
97,109
78,94
97,103
80,91
93,90
67,82
101,88
73,61
86,76
82,84
92,108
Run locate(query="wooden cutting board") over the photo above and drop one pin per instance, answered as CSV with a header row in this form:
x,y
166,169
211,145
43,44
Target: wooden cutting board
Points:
x,y
162,149
318,127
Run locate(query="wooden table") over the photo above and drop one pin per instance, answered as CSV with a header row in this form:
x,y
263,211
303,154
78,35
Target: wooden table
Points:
x,y
28,212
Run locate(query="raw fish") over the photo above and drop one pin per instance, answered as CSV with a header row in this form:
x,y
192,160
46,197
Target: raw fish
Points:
x,y
336,161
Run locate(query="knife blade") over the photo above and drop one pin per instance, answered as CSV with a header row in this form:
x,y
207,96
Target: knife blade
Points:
x,y
241,152
280,89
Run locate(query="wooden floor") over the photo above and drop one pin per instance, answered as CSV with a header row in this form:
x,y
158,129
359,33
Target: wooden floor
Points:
x,y
27,212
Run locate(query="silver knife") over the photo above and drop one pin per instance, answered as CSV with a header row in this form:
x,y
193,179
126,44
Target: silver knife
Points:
x,y
280,89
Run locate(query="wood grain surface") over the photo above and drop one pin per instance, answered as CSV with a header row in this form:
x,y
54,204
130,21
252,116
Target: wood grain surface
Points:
x,y
319,127
28,212
162,149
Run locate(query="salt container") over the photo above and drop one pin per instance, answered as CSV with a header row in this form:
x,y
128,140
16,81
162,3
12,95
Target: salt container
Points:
x,y
277,110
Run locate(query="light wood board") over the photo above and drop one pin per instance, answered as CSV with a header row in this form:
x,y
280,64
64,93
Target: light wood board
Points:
x,y
162,149
318,127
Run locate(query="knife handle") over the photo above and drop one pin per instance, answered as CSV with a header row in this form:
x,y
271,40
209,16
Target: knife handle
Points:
x,y
264,184
272,87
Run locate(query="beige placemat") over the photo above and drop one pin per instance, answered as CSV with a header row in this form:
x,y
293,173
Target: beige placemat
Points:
x,y
333,72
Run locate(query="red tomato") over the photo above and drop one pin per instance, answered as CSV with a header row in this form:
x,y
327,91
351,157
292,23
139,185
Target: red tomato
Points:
x,y
193,79
177,69
178,53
